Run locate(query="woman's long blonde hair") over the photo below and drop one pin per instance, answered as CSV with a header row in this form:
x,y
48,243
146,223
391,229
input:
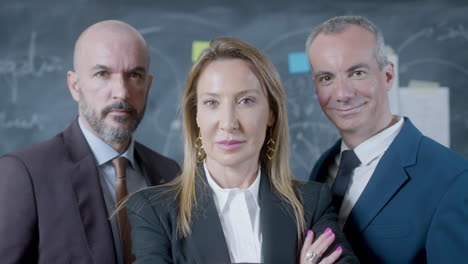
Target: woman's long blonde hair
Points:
x,y
278,169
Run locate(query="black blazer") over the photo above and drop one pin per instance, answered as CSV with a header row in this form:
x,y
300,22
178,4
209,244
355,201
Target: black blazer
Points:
x,y
52,208
153,211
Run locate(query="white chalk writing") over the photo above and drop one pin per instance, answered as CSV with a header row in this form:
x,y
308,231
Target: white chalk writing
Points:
x,y
31,66
23,123
454,32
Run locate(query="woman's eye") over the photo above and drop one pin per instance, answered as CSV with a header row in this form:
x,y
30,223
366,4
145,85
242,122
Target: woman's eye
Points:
x,y
209,102
246,101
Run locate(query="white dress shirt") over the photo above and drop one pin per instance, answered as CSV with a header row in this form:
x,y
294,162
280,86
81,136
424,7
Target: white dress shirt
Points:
x,y
239,214
104,154
369,153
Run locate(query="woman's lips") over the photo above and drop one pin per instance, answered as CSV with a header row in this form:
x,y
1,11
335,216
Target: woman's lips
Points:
x,y
230,144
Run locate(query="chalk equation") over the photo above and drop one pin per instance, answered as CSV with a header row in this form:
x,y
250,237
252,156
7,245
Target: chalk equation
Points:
x,y
33,65
440,32
31,122
458,31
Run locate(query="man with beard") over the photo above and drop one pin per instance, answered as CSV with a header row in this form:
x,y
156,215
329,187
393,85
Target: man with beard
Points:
x,y
400,196
57,197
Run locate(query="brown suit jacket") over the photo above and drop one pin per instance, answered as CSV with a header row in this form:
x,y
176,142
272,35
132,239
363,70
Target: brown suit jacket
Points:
x,y
52,208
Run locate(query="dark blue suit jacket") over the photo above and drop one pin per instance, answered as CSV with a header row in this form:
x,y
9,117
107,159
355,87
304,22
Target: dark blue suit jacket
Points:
x,y
414,208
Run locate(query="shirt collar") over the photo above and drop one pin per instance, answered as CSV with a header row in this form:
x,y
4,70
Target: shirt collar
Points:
x,y
102,151
221,194
376,145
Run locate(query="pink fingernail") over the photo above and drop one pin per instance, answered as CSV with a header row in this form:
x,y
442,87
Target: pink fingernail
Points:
x,y
327,230
309,232
338,248
330,234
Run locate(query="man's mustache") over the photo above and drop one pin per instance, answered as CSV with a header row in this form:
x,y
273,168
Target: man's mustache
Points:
x,y
348,104
120,105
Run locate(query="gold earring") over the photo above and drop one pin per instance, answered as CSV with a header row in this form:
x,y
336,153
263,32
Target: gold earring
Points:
x,y
271,144
199,147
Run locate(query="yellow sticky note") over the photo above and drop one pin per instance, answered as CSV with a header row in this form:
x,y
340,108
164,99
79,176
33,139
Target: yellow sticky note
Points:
x,y
197,48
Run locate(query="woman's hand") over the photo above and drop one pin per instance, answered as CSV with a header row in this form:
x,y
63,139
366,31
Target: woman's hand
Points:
x,y
312,251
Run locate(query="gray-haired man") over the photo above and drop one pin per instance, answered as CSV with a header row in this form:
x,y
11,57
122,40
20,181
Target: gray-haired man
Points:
x,y
401,197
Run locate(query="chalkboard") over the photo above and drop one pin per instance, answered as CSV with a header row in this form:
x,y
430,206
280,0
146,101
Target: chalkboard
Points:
x,y
37,38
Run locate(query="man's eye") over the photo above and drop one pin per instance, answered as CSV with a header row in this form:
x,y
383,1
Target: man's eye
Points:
x,y
101,73
325,78
136,75
359,73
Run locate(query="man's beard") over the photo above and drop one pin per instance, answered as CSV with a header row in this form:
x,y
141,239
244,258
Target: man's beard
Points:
x,y
112,133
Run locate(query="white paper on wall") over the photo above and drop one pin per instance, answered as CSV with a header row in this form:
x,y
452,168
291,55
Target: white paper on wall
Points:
x,y
427,105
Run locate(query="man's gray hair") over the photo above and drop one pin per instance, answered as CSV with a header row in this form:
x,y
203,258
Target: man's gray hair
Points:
x,y
339,24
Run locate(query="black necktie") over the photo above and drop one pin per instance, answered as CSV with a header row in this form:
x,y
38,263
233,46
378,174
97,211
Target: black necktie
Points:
x,y
349,161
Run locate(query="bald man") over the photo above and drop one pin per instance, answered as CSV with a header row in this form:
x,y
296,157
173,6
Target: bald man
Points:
x,y
56,197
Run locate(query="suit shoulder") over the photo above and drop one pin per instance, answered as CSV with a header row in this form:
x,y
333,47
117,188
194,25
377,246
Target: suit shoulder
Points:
x,y
439,156
157,197
318,172
310,190
39,152
316,199
153,155
305,185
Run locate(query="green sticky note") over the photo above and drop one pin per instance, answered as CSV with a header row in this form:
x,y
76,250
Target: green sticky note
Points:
x,y
197,48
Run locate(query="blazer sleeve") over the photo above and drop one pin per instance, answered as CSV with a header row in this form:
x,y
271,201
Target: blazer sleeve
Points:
x,y
324,217
18,228
150,241
447,240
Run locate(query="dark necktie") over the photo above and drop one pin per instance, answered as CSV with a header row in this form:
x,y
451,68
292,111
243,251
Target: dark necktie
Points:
x,y
120,165
349,161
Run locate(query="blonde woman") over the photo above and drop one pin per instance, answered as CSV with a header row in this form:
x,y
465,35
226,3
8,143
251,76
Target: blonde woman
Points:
x,y
235,200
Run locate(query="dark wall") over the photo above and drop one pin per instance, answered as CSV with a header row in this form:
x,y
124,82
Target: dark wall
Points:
x,y
37,37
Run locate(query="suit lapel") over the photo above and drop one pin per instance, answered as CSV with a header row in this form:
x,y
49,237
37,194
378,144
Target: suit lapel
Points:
x,y
91,205
278,225
146,167
388,178
207,233
320,171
